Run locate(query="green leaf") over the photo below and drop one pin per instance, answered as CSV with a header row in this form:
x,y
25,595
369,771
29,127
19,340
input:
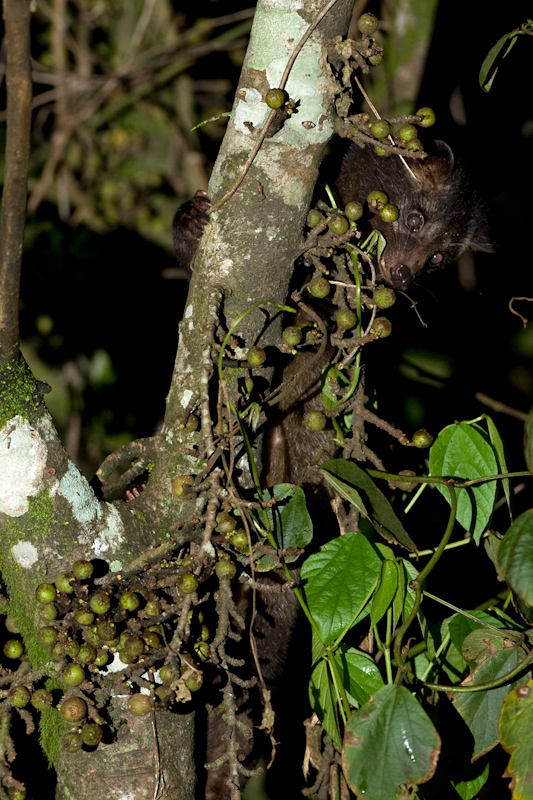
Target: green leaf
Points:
x,y
382,516
323,702
481,710
398,604
515,556
488,63
481,643
296,525
348,493
462,451
516,736
266,563
459,627
405,596
337,580
469,788
360,676
389,742
528,440
496,442
384,594
290,519
334,383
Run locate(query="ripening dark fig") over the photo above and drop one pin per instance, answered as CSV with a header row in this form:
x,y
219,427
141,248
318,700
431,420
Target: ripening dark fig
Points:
x,y
64,582
421,438
73,710
130,601
71,742
367,24
292,335
225,522
239,538
226,570
47,612
338,224
353,210
389,212
407,486
152,640
13,648
82,569
193,684
381,327
275,98
102,657
407,132
428,117
91,734
106,630
346,319
73,674
41,699
187,583
140,704
46,636
380,128
12,624
384,297
256,356
84,617
46,593
313,218
152,608
19,696
315,420
169,673
377,199
58,651
319,287
133,648
181,486
100,602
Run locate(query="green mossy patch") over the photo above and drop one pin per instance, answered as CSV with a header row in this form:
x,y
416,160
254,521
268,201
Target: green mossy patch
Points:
x,y
19,392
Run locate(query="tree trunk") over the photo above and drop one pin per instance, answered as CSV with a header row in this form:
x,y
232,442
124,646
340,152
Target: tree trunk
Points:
x,y
50,515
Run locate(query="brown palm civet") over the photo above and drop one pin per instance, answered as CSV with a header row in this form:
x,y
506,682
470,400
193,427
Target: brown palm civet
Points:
x,y
440,218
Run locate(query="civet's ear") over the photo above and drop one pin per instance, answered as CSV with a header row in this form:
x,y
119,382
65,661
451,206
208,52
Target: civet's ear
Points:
x,y
188,227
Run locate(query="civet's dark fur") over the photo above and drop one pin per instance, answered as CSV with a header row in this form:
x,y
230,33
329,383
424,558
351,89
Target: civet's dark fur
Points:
x,y
435,192
440,218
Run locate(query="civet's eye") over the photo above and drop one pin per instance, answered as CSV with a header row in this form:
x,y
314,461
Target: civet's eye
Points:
x,y
415,221
435,260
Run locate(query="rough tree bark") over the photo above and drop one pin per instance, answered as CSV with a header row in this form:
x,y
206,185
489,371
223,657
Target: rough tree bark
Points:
x,y
49,514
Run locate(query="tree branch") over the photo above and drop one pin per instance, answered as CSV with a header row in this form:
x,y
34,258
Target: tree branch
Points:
x,y
19,97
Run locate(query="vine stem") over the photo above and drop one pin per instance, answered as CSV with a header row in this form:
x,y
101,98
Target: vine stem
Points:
x,y
483,687
420,581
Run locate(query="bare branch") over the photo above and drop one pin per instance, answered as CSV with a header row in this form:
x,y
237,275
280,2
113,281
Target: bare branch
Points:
x,y
19,97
